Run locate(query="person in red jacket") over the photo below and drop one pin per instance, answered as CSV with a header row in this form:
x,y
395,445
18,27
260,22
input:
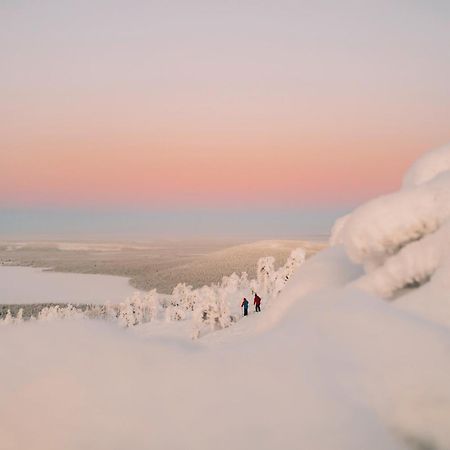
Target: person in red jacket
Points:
x,y
257,302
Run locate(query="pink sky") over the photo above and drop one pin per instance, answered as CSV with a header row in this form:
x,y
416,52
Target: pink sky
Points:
x,y
285,103
138,176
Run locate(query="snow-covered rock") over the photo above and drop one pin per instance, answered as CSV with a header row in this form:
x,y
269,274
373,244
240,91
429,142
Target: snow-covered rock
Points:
x,y
402,239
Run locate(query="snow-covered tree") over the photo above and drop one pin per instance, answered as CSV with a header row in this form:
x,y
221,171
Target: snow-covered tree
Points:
x,y
282,275
231,283
111,311
264,285
175,313
8,319
130,311
138,309
184,296
49,313
212,312
151,304
56,312
19,316
71,312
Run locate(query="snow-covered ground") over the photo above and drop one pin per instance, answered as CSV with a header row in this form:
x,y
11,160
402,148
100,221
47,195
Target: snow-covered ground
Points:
x,y
353,354
22,285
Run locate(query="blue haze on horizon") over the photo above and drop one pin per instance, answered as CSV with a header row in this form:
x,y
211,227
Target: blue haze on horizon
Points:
x,y
170,224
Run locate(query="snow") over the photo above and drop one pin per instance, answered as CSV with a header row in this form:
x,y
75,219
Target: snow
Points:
x,y
20,285
328,363
402,239
337,230
428,167
338,371
383,226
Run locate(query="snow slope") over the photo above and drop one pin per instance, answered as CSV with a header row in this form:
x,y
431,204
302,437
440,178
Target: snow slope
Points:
x,y
329,365
340,371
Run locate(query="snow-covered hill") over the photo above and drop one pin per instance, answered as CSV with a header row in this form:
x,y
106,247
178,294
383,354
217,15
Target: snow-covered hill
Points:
x,y
353,354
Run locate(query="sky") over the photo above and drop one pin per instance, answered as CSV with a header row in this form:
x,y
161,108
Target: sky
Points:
x,y
181,108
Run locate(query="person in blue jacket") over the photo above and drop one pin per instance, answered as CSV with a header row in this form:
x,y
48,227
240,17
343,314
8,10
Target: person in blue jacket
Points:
x,y
245,306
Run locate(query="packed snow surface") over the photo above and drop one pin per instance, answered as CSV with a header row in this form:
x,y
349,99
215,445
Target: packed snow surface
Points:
x,y
328,364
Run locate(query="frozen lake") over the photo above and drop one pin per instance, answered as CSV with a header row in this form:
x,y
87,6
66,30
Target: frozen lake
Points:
x,y
32,285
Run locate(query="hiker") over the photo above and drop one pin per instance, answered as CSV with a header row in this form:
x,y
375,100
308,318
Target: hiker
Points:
x,y
245,306
257,303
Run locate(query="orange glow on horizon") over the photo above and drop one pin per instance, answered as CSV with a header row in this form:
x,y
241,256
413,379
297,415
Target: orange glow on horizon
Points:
x,y
149,175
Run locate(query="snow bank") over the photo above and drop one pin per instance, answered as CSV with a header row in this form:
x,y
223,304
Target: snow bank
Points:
x,y
329,269
427,167
402,239
341,370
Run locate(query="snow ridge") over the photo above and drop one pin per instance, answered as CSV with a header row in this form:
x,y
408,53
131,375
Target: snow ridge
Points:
x,y
402,239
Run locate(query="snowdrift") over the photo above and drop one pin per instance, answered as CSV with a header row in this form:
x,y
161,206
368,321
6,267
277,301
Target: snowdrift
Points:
x,y
403,239
329,365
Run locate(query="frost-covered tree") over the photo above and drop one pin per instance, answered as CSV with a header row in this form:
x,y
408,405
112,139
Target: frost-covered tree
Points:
x,y
56,312
8,319
244,283
49,313
265,277
130,311
175,313
151,304
230,283
70,312
184,296
224,317
19,316
212,312
282,275
111,311
138,309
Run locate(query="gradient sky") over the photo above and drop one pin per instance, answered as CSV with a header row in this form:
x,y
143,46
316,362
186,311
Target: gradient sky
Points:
x,y
227,104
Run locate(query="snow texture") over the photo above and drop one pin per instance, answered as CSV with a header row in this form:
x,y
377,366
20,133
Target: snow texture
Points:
x,y
402,239
428,167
